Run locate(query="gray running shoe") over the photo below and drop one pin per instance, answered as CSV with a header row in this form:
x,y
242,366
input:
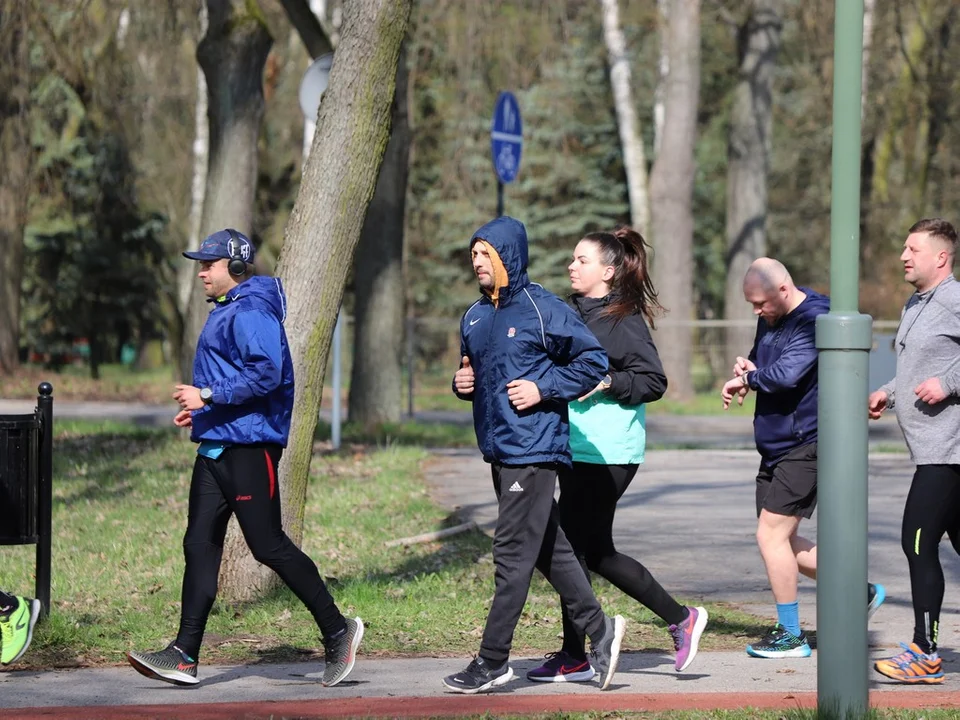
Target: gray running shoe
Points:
x,y
340,653
605,653
169,665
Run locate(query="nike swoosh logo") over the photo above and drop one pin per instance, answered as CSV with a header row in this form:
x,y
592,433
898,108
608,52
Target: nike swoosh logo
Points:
x,y
22,625
474,322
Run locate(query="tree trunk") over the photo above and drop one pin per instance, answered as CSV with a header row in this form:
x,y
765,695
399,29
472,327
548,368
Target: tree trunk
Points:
x,y
376,379
232,54
663,69
634,157
187,271
353,128
748,163
869,10
17,153
671,196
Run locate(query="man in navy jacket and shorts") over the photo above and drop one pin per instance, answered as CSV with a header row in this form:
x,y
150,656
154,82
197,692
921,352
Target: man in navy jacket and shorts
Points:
x,y
782,369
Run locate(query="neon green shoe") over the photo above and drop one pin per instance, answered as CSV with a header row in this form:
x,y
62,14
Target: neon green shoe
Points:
x,y
16,629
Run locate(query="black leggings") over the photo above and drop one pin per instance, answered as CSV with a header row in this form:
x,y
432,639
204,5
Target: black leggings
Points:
x,y
242,481
7,601
932,509
588,502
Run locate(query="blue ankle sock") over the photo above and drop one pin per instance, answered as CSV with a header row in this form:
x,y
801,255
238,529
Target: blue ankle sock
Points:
x,y
788,615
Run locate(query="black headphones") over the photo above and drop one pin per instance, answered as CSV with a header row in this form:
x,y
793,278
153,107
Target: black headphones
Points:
x,y
237,265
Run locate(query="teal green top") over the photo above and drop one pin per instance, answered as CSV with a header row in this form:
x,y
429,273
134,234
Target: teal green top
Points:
x,y
604,432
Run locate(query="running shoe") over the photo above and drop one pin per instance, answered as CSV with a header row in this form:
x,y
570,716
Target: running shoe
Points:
x,y
562,667
780,643
912,666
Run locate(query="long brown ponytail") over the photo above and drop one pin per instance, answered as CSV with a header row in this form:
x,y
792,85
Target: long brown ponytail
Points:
x,y
632,289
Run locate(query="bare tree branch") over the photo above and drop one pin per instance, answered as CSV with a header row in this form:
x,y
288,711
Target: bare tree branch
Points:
x,y
308,27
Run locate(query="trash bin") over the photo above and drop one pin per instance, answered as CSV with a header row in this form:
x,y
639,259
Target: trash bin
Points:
x,y
19,478
26,485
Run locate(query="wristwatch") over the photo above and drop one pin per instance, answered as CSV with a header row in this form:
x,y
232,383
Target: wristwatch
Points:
x,y
206,394
744,380
606,382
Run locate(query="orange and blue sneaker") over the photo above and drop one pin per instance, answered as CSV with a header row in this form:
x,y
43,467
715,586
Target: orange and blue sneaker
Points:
x,y
171,665
912,666
562,667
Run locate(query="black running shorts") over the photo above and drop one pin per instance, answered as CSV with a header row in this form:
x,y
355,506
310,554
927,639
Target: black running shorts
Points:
x,y
789,487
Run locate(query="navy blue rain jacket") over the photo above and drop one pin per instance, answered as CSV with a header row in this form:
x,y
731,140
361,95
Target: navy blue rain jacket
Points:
x,y
786,379
531,335
243,357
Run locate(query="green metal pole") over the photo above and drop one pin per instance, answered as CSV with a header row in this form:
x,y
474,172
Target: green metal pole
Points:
x,y
844,338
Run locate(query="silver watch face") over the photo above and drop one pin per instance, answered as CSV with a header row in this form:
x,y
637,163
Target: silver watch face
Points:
x,y
206,394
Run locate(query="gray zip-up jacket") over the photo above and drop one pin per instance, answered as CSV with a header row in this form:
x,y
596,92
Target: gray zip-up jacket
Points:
x,y
928,345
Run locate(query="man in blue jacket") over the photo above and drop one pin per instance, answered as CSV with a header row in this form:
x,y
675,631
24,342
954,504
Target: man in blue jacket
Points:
x,y
782,369
525,354
239,410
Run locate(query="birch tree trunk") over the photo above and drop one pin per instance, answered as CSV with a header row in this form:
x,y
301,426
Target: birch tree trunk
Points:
x,y
187,272
671,196
17,153
353,127
869,9
748,163
631,141
376,379
663,69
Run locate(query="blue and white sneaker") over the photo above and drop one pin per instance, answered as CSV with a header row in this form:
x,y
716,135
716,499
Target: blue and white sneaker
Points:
x,y
876,594
780,643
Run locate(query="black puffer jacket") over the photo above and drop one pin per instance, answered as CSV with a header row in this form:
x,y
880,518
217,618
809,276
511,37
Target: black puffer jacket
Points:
x,y
635,367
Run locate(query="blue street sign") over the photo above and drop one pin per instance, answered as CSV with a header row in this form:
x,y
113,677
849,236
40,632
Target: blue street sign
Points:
x,y
506,137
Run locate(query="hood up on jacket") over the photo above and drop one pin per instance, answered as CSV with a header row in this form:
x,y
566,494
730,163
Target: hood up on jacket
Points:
x,y
508,237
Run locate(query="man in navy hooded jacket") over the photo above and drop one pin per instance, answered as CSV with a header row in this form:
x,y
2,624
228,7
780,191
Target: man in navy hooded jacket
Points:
x,y
525,354
238,410
782,369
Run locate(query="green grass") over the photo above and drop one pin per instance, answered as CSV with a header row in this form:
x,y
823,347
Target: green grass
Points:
x,y
116,383
418,434
120,500
704,403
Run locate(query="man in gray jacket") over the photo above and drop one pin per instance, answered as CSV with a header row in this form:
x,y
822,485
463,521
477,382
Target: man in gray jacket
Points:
x,y
926,396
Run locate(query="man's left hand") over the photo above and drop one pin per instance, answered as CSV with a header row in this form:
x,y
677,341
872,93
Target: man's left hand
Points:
x,y
523,394
733,388
930,391
188,397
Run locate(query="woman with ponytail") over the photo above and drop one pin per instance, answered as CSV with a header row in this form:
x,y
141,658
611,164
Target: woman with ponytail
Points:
x,y
615,297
